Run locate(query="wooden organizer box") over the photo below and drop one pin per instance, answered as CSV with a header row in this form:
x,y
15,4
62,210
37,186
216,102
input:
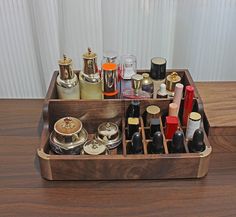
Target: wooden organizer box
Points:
x,y
119,165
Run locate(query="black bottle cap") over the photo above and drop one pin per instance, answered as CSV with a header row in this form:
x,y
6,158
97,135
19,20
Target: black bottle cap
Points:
x,y
197,144
137,144
158,68
157,142
178,142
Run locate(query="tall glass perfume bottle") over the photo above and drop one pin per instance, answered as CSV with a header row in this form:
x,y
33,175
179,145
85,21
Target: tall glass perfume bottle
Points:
x,y
89,78
67,80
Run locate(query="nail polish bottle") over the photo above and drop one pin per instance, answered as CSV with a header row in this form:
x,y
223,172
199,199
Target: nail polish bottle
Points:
x,y
137,144
197,144
177,144
156,146
154,126
162,93
133,127
133,111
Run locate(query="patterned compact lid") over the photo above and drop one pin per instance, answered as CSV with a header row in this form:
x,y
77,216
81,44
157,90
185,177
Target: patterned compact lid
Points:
x,y
94,147
68,126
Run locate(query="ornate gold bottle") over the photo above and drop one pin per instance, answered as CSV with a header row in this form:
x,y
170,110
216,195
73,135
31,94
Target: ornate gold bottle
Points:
x,y
67,80
89,78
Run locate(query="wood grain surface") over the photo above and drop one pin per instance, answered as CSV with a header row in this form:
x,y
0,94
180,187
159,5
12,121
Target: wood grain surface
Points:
x,y
219,100
24,193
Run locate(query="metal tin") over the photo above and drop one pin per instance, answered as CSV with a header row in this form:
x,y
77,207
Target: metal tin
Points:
x,y
67,80
158,68
172,80
110,79
60,145
136,83
109,134
194,123
94,147
68,136
147,83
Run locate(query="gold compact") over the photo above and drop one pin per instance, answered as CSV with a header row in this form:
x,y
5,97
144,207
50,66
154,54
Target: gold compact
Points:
x,y
68,136
109,134
94,147
172,80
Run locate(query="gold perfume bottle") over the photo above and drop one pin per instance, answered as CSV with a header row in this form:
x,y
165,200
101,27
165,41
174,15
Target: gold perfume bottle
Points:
x,y
89,78
67,80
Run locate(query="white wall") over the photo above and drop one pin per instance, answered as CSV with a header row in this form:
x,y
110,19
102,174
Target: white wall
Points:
x,y
197,34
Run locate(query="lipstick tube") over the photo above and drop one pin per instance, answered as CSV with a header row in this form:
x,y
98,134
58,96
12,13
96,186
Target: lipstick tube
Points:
x,y
188,103
178,95
171,126
173,108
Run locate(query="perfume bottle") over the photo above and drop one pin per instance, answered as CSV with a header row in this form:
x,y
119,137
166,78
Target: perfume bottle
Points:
x,y
89,78
133,111
110,80
67,80
136,92
158,72
147,84
128,68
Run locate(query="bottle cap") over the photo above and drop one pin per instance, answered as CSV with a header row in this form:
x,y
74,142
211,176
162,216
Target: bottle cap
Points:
x,y
172,80
162,90
173,109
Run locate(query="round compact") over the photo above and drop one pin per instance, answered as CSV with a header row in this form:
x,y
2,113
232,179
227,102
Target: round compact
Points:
x,y
94,147
68,136
109,134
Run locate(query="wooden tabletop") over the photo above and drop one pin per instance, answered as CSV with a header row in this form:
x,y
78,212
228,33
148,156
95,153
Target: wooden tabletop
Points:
x,y
24,193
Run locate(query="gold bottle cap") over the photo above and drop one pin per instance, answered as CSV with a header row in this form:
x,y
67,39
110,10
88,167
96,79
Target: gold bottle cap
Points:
x,y
146,79
136,83
65,60
89,54
66,71
194,116
153,110
172,80
94,147
68,126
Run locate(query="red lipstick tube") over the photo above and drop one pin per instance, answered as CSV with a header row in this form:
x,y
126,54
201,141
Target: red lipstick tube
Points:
x,y
188,103
171,126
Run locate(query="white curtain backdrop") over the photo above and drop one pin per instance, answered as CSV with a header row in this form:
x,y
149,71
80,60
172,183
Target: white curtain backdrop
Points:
x,y
196,34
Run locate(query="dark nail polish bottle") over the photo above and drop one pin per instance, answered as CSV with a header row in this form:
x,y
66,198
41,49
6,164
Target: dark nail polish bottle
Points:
x,y
156,146
197,144
133,126
136,146
177,144
133,110
154,126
